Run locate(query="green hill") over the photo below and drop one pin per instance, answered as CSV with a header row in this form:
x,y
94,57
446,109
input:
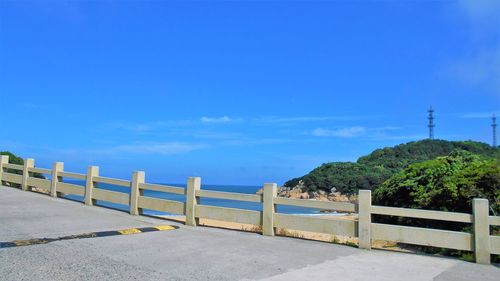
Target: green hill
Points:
x,y
13,159
370,171
447,183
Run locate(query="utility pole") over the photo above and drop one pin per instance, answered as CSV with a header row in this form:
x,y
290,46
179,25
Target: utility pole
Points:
x,y
431,123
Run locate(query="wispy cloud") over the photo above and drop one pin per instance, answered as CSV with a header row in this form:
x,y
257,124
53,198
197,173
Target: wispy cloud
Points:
x,y
377,133
480,69
386,137
255,141
148,126
223,119
350,132
479,115
88,154
167,148
32,106
158,126
214,135
481,12
303,119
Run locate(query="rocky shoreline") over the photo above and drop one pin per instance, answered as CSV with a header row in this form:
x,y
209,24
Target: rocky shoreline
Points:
x,y
299,192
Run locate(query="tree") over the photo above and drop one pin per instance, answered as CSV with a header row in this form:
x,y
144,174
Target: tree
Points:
x,y
446,184
370,171
13,159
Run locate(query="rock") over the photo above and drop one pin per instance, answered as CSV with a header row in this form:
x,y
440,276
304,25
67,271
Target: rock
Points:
x,y
298,192
40,190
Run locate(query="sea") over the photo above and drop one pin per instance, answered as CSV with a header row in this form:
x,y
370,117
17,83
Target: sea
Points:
x,y
205,201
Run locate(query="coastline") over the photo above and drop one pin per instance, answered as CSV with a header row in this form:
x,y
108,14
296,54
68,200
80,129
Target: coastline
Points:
x,y
323,237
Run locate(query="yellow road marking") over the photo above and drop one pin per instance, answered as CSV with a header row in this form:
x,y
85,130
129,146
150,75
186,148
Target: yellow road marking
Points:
x,y
37,241
129,231
164,227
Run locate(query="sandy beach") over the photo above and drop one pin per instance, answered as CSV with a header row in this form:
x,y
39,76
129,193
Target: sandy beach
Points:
x,y
345,240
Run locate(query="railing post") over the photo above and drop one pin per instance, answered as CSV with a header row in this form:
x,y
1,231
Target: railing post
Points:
x,y
57,167
92,171
28,163
138,177
4,159
364,219
193,184
480,210
269,208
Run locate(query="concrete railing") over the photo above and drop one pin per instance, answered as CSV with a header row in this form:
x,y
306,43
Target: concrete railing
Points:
x,y
481,242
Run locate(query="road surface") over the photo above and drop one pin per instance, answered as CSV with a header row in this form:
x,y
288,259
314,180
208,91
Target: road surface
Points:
x,y
188,253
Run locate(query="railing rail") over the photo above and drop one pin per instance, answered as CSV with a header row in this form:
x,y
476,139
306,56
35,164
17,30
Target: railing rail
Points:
x,y
423,236
162,188
480,241
13,166
70,175
316,204
40,170
112,181
229,196
422,214
495,221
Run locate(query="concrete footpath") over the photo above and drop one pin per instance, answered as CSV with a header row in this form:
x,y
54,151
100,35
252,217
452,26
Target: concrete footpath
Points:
x,y
188,253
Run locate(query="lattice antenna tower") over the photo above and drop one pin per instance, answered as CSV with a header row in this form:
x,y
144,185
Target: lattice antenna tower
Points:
x,y
494,127
431,123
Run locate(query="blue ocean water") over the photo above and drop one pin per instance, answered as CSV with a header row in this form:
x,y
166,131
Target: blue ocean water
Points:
x,y
204,201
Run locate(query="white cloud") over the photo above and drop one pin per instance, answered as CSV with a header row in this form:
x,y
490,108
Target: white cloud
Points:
x,y
223,119
378,133
87,155
479,115
297,119
383,137
32,106
342,133
156,126
147,127
481,69
213,135
255,141
167,148
387,128
483,12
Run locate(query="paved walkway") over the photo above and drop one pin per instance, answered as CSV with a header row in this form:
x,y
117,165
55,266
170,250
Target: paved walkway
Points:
x,y
188,253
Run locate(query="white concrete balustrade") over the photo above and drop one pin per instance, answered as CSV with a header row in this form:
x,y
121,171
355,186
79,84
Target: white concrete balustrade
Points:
x,y
480,241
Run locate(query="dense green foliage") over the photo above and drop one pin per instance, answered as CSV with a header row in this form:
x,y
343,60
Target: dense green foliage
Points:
x,y
372,170
13,159
446,183
346,177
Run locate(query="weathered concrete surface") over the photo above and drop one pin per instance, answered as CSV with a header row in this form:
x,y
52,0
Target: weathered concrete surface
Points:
x,y
25,215
188,253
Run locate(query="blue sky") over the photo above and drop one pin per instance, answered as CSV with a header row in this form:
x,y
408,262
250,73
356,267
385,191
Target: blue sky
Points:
x,y
240,92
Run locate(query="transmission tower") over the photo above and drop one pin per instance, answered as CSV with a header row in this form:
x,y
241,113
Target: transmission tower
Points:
x,y
431,123
494,126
